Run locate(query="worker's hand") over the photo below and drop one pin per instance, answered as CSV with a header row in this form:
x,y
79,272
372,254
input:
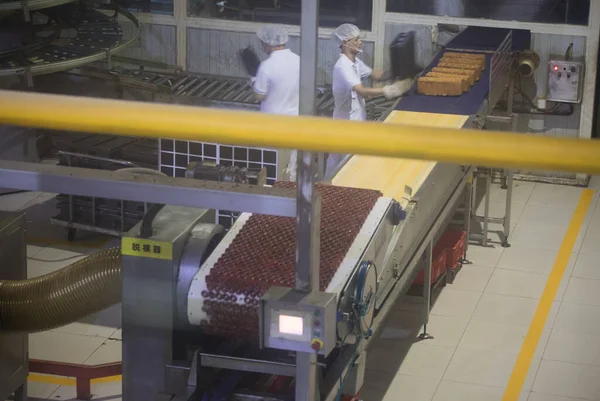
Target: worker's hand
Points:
x,y
398,88
377,75
251,81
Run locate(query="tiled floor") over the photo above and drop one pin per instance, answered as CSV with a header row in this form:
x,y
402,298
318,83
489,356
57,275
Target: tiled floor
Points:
x,y
478,322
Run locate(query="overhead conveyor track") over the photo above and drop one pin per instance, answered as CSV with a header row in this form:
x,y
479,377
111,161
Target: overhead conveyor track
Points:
x,y
66,36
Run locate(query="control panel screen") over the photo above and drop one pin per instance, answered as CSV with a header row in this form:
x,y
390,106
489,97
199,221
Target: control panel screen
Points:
x,y
292,325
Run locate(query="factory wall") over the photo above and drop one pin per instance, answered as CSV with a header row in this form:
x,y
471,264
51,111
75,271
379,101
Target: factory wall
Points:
x,y
548,47
156,43
211,51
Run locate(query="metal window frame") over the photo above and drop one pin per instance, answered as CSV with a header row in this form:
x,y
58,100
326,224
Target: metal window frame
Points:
x,y
145,188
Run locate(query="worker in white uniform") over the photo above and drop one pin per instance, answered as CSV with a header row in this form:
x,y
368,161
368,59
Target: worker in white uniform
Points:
x,y
277,82
348,90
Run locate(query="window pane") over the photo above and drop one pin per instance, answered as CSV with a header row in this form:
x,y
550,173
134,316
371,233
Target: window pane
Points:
x,y
164,7
545,11
332,12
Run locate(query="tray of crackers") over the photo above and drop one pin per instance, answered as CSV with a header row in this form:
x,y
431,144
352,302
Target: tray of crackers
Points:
x,y
454,74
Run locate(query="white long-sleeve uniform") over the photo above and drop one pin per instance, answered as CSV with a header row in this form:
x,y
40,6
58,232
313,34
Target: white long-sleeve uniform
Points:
x,y
349,105
278,78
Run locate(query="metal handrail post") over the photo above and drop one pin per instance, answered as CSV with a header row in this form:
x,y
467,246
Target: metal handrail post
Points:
x,y
308,201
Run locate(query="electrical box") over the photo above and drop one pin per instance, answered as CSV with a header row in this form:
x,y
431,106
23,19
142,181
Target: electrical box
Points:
x,y
565,79
296,321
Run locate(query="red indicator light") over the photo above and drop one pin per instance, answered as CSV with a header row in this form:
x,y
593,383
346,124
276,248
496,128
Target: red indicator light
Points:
x,y
555,68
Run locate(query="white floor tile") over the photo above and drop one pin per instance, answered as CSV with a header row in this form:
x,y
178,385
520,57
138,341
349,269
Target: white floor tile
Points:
x,y
38,263
62,347
583,291
591,240
568,379
398,388
484,256
538,236
517,283
456,303
546,397
521,192
33,250
33,272
545,215
100,391
87,330
426,361
406,326
570,346
587,266
454,391
560,196
110,351
472,278
532,260
117,335
505,309
416,360
578,318
485,368
499,338
40,390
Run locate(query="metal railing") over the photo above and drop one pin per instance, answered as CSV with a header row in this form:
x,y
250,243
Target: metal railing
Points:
x,y
489,148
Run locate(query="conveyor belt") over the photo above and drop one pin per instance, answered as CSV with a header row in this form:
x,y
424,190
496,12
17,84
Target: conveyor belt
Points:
x,y
467,104
259,251
393,176
472,40
214,90
262,255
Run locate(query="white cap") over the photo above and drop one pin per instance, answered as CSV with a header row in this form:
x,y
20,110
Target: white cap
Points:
x,y
273,35
345,32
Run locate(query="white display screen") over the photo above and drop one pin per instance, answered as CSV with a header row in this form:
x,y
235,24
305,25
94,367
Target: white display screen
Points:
x,y
293,325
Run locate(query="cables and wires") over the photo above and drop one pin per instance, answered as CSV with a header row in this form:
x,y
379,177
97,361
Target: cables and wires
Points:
x,y
363,311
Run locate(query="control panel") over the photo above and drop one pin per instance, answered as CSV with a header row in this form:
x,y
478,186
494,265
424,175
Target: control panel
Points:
x,y
296,321
564,81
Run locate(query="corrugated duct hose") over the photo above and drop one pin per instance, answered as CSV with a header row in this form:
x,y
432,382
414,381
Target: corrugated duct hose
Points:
x,y
67,295
62,297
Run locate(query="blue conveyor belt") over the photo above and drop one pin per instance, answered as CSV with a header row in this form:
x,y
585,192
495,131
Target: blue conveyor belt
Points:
x,y
465,105
474,40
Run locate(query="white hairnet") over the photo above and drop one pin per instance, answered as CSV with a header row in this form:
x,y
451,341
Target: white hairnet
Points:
x,y
345,32
273,35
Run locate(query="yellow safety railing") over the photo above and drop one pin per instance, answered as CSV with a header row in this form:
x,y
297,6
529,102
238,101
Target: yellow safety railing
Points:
x,y
486,148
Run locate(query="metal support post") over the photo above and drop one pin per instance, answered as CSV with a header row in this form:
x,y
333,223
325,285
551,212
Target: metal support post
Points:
x,y
427,290
467,215
307,201
486,212
507,211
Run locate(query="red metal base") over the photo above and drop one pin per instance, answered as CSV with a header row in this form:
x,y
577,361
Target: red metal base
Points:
x,y
83,374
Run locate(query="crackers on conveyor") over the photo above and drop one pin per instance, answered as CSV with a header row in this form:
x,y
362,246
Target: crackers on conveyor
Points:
x,y
471,74
463,64
440,86
464,80
465,58
462,55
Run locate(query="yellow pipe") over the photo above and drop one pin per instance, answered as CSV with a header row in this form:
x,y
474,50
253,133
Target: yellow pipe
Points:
x,y
493,149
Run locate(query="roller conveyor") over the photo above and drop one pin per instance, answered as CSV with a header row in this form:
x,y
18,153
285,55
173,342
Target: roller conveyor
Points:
x,y
262,255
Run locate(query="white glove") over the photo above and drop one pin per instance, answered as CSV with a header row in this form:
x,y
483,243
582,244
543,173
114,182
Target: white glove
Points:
x,y
398,88
251,81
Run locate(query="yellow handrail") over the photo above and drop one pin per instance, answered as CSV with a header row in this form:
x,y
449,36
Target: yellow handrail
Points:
x,y
486,148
